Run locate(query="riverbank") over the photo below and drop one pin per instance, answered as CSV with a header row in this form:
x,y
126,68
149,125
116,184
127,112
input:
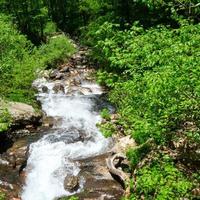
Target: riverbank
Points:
x,y
71,101
20,63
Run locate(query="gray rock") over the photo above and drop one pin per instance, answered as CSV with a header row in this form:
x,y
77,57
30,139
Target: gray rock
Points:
x,y
82,52
65,69
23,114
98,180
71,183
60,76
17,155
48,121
54,73
58,87
45,89
76,81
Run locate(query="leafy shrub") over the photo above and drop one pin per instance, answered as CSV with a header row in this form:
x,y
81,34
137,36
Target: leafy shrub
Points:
x,y
162,180
137,154
107,79
55,51
105,114
108,129
50,28
158,86
20,59
5,119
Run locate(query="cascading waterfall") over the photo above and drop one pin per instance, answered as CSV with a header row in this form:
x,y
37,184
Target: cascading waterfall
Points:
x,y
74,137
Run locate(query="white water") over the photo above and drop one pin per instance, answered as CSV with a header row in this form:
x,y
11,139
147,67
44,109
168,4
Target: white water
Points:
x,y
53,156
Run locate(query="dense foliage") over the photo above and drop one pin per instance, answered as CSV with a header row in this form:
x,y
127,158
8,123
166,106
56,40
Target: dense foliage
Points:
x,y
162,180
159,84
20,60
149,59
5,118
153,77
148,52
72,16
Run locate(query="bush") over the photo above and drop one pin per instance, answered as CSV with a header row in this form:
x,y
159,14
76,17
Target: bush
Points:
x,y
108,129
20,60
5,119
137,154
50,28
158,83
162,180
105,114
55,51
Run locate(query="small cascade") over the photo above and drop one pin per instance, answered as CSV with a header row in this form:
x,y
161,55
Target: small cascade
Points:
x,y
71,99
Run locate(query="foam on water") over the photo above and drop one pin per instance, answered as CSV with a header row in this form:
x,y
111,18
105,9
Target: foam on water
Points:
x,y
53,156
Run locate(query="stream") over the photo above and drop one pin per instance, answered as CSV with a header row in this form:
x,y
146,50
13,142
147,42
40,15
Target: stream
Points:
x,y
66,154
73,137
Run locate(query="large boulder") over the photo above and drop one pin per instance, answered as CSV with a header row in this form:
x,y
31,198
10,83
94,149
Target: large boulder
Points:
x,y
23,114
98,182
59,88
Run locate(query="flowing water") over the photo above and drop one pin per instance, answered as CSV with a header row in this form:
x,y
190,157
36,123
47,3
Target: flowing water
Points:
x,y
74,137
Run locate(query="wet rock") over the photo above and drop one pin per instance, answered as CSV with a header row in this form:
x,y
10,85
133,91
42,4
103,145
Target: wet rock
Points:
x,y
84,61
65,69
17,155
22,177
11,160
71,183
48,121
44,74
85,91
78,93
58,87
78,57
45,89
54,73
3,161
76,81
60,76
21,133
82,52
6,185
72,92
99,184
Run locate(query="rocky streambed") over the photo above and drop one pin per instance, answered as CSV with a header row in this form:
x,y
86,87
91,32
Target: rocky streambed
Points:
x,y
67,155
